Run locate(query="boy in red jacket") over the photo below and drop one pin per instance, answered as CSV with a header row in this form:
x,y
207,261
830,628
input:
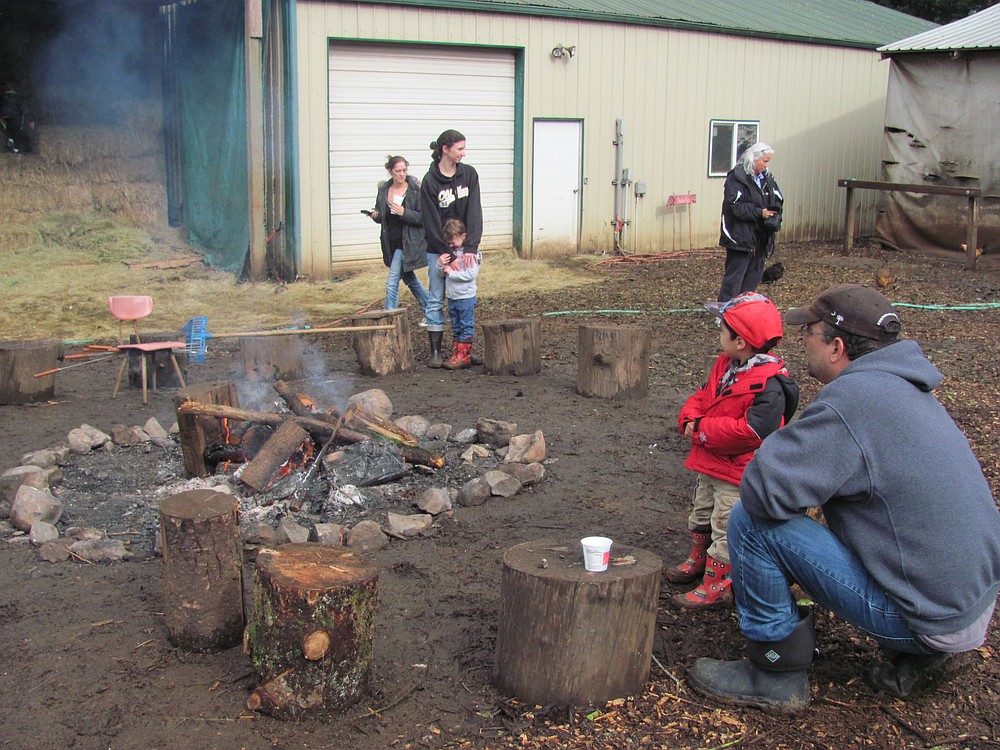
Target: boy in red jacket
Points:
x,y
749,395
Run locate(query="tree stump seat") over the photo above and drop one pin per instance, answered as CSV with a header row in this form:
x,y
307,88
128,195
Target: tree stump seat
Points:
x,y
613,361
383,352
511,347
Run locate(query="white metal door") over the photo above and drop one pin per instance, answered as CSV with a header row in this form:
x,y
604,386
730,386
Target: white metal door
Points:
x,y
396,99
556,176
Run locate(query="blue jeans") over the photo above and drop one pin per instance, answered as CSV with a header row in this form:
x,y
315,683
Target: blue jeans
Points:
x,y
463,319
409,278
434,309
769,555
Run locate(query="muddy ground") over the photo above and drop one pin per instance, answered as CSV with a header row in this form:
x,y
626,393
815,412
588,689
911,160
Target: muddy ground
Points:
x,y
85,662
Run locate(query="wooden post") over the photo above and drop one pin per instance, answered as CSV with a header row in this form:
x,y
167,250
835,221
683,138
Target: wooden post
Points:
x,y
311,634
385,352
570,637
199,431
202,570
19,361
613,361
272,357
287,439
972,236
850,219
511,347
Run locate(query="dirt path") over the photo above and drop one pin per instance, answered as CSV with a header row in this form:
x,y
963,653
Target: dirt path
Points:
x,y
86,663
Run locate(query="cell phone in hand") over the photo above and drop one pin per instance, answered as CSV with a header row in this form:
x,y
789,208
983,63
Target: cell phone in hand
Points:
x,y
366,212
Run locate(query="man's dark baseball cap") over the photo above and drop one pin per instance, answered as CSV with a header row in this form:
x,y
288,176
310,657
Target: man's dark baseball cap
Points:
x,y
852,308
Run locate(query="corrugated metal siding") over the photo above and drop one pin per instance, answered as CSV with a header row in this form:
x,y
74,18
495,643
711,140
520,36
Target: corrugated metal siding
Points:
x,y
979,31
821,107
845,22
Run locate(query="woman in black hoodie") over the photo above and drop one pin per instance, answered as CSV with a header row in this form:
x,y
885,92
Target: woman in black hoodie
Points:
x,y
450,190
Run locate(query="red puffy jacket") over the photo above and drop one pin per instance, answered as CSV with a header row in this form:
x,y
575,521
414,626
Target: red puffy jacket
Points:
x,y
729,426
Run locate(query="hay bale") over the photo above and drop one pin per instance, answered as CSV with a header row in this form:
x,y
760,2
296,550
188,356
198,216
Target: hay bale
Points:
x,y
78,146
57,197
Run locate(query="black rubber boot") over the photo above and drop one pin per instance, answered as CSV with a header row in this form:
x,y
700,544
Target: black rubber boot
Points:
x,y
905,676
773,677
435,338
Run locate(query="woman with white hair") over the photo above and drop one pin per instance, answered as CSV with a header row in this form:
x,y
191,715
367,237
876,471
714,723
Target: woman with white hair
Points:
x,y
751,214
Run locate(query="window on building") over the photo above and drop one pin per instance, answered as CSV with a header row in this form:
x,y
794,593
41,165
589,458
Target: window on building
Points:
x,y
726,141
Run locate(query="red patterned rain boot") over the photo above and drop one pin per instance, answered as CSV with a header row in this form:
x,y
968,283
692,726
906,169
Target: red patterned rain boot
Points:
x,y
694,566
715,590
460,357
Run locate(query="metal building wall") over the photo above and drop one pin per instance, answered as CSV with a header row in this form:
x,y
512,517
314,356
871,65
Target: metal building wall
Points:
x,y
820,107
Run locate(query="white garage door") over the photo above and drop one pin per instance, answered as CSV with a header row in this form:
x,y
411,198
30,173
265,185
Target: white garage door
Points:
x,y
395,99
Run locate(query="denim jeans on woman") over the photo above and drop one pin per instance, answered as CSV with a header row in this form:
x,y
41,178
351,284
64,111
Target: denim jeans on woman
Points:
x,y
434,310
409,278
769,555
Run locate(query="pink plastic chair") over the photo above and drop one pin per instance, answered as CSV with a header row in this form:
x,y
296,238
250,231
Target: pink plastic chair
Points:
x,y
134,308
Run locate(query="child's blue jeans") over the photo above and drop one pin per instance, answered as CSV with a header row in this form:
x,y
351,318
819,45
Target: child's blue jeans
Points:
x,y
463,319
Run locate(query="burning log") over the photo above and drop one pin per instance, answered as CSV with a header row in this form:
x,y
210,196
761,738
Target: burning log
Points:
x,y
278,450
613,361
320,429
310,637
202,570
198,432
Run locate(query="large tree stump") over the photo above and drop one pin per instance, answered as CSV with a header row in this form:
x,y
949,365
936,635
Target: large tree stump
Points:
x,y
384,352
198,431
570,637
613,361
311,634
19,361
272,357
512,347
202,570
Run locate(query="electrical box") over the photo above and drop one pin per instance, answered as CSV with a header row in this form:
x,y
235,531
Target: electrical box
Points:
x,y
640,189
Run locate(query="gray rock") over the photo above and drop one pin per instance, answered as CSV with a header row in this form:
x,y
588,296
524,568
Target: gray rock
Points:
x,y
55,551
526,473
125,435
32,505
502,484
434,501
262,534
13,479
79,442
414,424
290,531
367,536
330,534
54,475
438,431
465,437
494,432
474,492
98,439
81,533
526,449
373,400
154,429
409,525
62,452
4,511
100,550
475,451
42,532
43,459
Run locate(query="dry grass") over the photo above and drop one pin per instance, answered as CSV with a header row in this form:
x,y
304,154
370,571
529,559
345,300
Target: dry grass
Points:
x,y
56,275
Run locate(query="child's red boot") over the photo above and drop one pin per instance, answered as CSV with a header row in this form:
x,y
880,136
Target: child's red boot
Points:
x,y
694,565
715,590
460,357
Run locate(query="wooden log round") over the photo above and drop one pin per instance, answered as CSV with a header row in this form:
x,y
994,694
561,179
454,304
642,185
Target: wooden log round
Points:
x,y
311,634
613,361
19,361
511,347
197,431
570,637
385,352
272,357
202,570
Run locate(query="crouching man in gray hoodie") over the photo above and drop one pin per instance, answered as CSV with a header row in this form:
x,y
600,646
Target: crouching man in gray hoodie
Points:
x,y
911,553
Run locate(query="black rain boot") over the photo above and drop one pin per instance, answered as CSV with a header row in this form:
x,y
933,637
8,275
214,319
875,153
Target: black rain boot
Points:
x,y
774,676
905,676
435,338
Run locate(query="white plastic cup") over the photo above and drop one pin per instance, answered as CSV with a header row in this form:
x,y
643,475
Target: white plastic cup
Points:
x,y
596,553
398,200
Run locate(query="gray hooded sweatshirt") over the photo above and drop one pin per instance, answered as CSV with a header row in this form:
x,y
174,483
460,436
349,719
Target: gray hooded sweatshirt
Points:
x,y
898,484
